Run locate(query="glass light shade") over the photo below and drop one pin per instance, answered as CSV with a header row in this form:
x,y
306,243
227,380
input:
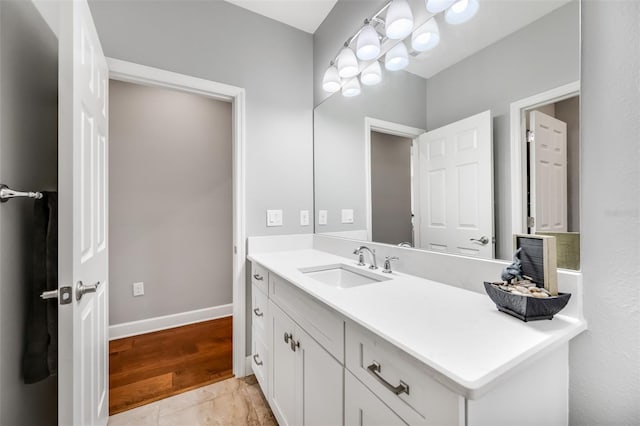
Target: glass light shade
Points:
x,y
437,6
371,75
351,88
368,44
399,20
461,11
347,63
426,37
397,58
331,81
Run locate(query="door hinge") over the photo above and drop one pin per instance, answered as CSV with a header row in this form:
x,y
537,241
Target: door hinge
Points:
x,y
531,222
531,136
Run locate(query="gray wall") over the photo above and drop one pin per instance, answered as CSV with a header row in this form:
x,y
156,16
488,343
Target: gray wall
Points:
x,y
28,152
605,360
221,42
569,112
511,69
170,194
391,189
339,145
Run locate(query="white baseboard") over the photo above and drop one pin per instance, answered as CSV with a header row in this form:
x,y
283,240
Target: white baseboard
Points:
x,y
133,328
248,370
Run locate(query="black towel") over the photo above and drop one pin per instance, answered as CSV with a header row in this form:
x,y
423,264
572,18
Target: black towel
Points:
x,y
40,359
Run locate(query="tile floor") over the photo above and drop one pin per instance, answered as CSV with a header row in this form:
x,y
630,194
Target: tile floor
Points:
x,y
229,402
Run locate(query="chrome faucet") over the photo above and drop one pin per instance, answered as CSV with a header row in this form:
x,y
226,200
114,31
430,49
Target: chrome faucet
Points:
x,y
359,250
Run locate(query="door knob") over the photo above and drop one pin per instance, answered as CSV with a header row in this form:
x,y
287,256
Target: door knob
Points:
x,y
482,240
82,289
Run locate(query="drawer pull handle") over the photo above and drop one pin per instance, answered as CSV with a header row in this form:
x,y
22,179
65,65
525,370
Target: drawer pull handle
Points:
x,y
257,312
287,336
258,277
255,359
375,369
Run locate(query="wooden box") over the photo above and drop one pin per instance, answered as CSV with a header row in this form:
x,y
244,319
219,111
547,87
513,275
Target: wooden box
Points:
x,y
539,259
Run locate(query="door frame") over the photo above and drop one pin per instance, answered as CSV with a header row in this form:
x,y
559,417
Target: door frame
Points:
x,y
389,128
518,110
148,76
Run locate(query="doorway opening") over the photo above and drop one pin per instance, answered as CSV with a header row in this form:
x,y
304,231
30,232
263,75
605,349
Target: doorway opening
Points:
x,y
176,233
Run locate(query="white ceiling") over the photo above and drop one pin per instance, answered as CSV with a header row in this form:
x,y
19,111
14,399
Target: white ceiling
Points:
x,y
305,15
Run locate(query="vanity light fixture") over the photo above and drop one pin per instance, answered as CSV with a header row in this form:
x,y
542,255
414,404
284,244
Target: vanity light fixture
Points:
x,y
461,11
426,37
368,43
347,63
331,81
397,58
351,88
437,6
372,74
399,20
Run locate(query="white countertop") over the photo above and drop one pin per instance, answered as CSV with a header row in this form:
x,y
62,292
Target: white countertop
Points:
x,y
460,335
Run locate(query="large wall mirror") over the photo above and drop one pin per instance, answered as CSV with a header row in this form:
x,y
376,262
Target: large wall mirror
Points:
x,y
476,140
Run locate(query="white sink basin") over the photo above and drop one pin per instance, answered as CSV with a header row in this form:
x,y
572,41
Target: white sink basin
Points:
x,y
342,276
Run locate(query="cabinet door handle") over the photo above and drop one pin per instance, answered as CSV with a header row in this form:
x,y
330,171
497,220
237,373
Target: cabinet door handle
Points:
x,y
255,359
287,336
257,312
294,344
258,277
375,369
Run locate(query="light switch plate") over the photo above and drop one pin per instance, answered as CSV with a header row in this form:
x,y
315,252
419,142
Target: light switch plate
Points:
x,y
274,217
322,217
347,215
304,217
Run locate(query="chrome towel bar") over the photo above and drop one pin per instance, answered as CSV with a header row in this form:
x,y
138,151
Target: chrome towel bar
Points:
x,y
7,193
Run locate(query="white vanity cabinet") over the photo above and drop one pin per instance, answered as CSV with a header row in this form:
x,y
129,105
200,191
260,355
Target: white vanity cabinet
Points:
x,y
322,367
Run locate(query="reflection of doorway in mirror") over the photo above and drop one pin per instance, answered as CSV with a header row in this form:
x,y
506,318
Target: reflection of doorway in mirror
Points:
x,y
391,189
553,189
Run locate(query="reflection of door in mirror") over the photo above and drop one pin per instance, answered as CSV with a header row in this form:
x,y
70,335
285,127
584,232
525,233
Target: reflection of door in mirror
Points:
x,y
553,176
454,205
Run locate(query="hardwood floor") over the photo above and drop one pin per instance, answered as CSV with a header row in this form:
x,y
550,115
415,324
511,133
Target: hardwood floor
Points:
x,y
149,367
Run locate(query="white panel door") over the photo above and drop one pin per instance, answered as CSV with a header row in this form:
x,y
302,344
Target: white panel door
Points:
x,y
455,181
83,219
548,179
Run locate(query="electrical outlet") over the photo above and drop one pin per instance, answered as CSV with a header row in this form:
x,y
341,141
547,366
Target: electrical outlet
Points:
x,y
138,289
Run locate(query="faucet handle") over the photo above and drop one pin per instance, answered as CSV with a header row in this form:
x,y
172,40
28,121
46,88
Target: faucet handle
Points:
x,y
387,263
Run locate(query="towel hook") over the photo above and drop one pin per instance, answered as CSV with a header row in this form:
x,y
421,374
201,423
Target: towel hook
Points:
x,y
7,193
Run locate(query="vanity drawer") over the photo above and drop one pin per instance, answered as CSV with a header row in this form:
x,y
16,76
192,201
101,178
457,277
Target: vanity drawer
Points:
x,y
260,360
322,323
383,367
259,308
260,277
